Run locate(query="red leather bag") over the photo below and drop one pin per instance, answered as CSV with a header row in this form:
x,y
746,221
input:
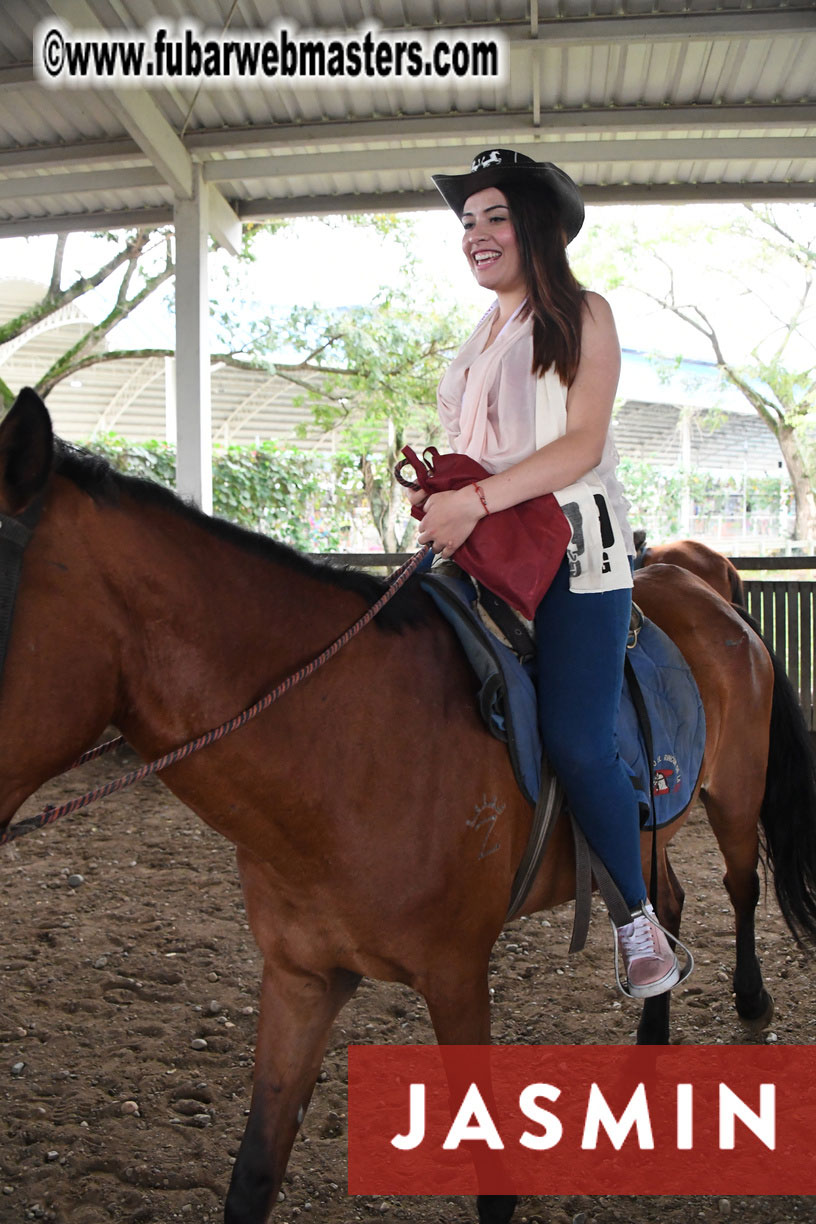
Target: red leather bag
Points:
x,y
515,552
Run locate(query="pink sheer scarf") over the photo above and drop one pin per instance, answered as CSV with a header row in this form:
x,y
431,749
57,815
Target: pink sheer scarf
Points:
x,y
486,397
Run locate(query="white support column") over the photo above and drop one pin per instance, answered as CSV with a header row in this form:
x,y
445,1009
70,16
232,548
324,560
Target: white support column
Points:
x,y
685,471
170,415
193,407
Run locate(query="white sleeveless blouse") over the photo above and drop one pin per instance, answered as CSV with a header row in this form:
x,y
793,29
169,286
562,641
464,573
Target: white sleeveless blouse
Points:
x,y
487,403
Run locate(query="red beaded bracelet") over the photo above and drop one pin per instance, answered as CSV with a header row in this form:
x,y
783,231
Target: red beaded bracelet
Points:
x,y
482,498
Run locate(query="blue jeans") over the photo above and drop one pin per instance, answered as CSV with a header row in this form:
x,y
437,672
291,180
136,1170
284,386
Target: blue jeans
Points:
x,y
581,645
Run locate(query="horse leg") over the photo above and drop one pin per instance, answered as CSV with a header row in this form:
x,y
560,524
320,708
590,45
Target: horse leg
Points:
x,y
653,1028
297,1011
738,840
461,1016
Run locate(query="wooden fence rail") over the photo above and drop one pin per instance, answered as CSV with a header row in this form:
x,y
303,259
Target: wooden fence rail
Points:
x,y
785,610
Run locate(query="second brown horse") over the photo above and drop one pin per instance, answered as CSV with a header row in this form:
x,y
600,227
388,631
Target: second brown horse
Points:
x,y
718,571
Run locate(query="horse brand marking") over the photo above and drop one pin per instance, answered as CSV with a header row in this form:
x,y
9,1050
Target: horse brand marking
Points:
x,y
485,816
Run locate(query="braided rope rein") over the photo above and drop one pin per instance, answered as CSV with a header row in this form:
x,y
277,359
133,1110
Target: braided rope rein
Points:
x,y
52,813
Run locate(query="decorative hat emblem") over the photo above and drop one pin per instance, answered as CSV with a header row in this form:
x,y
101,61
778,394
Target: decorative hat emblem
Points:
x,y
493,158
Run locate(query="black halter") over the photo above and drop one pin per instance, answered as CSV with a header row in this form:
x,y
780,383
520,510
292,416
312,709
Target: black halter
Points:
x,y
15,534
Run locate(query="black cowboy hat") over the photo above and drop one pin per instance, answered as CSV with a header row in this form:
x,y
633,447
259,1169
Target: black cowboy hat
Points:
x,y
497,166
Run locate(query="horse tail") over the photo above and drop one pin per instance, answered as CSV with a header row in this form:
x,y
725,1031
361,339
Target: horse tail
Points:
x,y
788,812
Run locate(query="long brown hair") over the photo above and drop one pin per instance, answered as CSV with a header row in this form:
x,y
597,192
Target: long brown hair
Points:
x,y
554,296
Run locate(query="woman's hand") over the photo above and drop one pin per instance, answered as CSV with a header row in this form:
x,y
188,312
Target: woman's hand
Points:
x,y
415,494
449,519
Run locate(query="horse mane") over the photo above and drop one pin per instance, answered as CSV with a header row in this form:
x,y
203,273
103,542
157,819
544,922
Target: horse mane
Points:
x,y
95,475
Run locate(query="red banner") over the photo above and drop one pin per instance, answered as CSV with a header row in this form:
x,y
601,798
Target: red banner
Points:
x,y
582,1120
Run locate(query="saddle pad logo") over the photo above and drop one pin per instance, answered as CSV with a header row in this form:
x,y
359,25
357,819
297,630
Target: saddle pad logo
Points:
x,y
667,776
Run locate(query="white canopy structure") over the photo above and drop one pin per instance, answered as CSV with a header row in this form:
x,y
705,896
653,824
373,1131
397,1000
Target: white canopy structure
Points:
x,y
649,100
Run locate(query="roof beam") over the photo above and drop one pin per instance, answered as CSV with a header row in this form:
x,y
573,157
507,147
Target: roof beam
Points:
x,y
72,223
224,223
459,128
575,152
455,127
407,201
502,125
78,182
221,216
629,193
698,191
12,76
139,114
91,153
658,27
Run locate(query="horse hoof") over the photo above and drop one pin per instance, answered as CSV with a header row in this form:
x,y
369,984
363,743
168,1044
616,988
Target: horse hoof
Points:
x,y
496,1208
757,1013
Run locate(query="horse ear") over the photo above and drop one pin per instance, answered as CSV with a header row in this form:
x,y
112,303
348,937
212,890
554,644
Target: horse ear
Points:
x,y
26,451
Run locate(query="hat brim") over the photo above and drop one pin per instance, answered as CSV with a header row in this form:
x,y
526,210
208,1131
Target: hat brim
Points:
x,y
456,188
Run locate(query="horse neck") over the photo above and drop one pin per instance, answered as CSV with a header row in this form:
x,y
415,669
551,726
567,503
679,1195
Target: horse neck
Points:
x,y
209,623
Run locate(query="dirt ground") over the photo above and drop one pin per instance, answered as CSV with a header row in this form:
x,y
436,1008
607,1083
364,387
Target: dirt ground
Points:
x,y
128,1011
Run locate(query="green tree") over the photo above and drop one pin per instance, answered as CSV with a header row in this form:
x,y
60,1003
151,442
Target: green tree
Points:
x,y
143,259
756,265
369,374
373,373
277,490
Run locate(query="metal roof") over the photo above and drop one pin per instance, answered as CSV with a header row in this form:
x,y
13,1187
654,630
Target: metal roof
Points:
x,y
641,100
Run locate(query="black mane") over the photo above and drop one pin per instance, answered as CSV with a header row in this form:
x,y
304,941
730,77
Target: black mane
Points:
x,y
94,475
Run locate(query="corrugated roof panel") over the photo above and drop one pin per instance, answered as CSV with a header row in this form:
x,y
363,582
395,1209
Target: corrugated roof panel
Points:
x,y
213,15
88,117
713,58
736,71
82,203
206,108
789,70
798,77
15,30
614,77
22,122
702,52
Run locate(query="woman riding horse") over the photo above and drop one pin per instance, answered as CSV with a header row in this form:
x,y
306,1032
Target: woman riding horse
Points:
x,y
530,396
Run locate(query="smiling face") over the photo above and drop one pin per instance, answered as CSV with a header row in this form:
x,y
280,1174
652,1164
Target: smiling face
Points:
x,y
490,244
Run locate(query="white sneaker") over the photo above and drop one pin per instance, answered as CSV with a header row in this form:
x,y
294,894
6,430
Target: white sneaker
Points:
x,y
650,964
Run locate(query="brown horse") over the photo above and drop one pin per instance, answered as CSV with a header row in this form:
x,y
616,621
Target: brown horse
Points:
x,y
351,802
715,569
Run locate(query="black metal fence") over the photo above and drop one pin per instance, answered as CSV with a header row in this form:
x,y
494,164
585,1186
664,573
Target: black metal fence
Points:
x,y
786,611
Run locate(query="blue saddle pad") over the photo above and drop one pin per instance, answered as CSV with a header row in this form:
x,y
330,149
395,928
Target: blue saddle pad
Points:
x,y
508,702
677,722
